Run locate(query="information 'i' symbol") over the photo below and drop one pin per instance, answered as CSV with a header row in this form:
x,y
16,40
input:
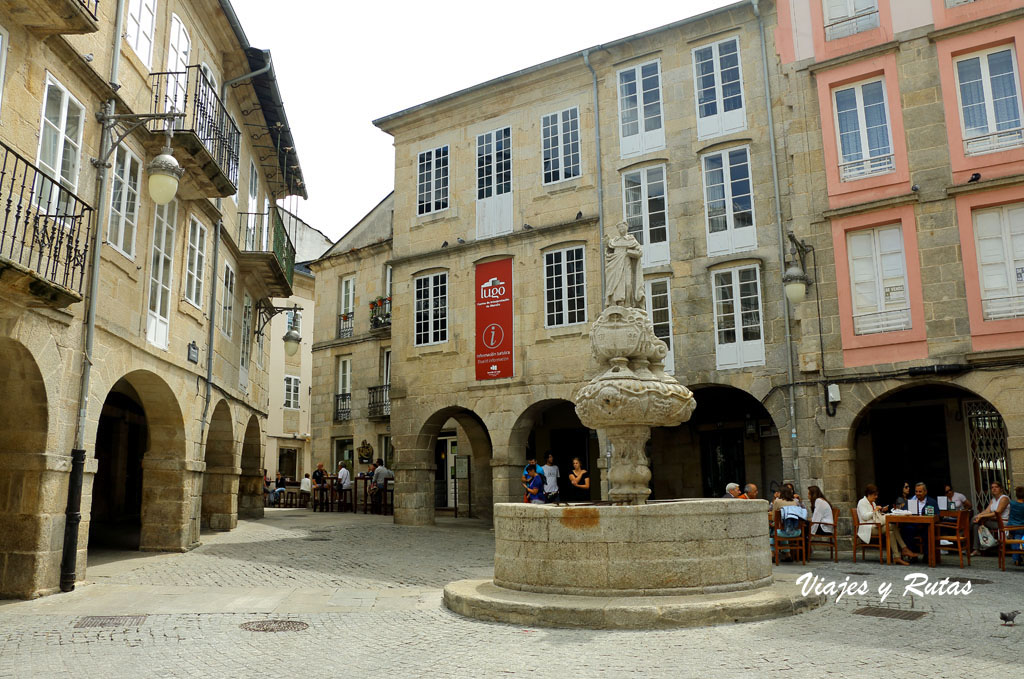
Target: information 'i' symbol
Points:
x,y
493,335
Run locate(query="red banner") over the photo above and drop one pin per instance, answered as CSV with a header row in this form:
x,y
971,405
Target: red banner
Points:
x,y
494,320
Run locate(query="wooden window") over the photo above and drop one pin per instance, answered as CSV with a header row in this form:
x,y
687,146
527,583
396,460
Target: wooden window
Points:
x,y
999,236
862,128
124,202
560,145
641,120
432,181
844,18
739,333
160,276
988,87
728,201
645,208
494,183
431,322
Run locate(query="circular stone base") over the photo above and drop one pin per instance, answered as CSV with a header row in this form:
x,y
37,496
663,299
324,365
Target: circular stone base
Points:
x,y
483,600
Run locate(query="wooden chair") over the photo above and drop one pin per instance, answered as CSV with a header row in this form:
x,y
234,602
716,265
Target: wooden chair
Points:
x,y
831,540
389,497
344,495
958,533
857,543
1003,535
794,544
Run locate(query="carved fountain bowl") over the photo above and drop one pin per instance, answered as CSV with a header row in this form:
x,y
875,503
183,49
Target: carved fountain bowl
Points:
x,y
610,402
620,332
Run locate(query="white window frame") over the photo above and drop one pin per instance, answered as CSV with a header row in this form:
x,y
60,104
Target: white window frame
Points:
x,y
291,392
561,151
879,319
63,141
866,165
5,44
654,253
721,121
733,239
992,139
227,308
669,338
493,200
136,25
1000,253
837,28
121,216
435,314
259,346
647,137
385,366
195,263
740,352
344,375
161,275
245,354
432,180
557,287
347,295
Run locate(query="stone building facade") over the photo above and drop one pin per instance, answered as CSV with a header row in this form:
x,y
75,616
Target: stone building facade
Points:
x,y
168,452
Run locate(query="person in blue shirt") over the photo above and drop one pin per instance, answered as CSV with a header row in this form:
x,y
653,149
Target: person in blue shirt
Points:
x,y
1017,519
535,486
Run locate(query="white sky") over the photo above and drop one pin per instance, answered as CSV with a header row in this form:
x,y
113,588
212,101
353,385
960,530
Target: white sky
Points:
x,y
340,65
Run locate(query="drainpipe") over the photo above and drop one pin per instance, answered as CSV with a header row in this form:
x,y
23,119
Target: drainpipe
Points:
x,y
216,253
597,153
782,241
73,510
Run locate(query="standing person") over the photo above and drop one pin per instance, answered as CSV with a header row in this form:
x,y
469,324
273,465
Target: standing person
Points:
x,y
535,486
319,486
579,480
868,512
550,479
1000,504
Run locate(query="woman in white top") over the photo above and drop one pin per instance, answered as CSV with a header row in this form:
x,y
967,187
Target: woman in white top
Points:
x,y
1000,504
821,512
869,513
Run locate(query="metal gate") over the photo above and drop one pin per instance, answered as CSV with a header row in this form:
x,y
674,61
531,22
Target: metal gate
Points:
x,y
986,438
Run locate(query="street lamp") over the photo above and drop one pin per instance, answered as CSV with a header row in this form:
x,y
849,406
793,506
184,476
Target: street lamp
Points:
x,y
794,280
164,173
292,340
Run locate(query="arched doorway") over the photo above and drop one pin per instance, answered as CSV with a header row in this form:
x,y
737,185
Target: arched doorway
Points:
x,y
140,498
23,432
460,447
553,426
250,483
731,438
934,433
220,480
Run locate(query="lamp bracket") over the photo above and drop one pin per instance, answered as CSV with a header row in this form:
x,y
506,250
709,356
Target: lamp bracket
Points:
x,y
129,122
266,311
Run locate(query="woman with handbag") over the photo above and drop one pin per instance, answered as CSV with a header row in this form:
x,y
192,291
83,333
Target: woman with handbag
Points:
x,y
1000,504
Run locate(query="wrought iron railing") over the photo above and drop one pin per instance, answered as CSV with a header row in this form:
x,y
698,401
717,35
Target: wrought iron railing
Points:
x,y
847,26
44,227
92,7
881,321
380,313
995,141
379,401
342,407
868,167
190,92
345,324
265,232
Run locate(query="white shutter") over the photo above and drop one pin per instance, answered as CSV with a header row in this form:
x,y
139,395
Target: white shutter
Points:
x,y
659,309
864,280
999,236
878,280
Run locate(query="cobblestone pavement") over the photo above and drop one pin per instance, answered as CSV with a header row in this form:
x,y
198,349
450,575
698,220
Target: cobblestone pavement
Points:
x,y
370,593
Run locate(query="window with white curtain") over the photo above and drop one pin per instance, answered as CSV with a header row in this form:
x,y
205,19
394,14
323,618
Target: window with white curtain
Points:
x,y
291,392
645,210
659,309
140,20
432,181
718,82
641,124
344,373
848,17
124,202
431,321
988,87
862,127
739,331
560,145
195,263
999,237
565,287
878,280
728,201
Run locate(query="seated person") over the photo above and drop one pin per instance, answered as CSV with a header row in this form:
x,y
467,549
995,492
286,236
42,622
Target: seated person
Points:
x,y
870,513
955,500
267,489
904,497
319,486
278,491
821,512
922,505
999,504
732,490
1017,519
749,492
381,475
305,489
535,486
796,496
791,516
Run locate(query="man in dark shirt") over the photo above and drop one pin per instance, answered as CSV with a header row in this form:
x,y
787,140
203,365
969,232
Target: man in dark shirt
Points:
x,y
319,486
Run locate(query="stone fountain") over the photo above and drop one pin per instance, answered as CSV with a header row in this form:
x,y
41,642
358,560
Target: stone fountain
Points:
x,y
629,564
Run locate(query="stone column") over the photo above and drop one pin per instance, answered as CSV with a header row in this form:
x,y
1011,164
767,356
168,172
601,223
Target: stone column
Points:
x,y
249,496
414,480
166,504
220,498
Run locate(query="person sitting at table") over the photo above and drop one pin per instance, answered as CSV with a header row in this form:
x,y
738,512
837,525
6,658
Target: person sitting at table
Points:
x,y
277,491
922,505
869,513
904,497
955,500
786,498
796,495
821,512
749,492
305,489
535,486
267,489
344,477
380,475
999,504
1017,519
319,486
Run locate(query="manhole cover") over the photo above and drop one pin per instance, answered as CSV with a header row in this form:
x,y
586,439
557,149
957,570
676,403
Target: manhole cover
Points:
x,y
893,613
973,581
111,621
274,626
856,573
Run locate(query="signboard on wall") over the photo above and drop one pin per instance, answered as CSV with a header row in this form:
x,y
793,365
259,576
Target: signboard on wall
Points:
x,y
494,320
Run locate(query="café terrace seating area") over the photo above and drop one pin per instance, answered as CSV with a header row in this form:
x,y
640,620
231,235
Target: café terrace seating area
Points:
x,y
334,498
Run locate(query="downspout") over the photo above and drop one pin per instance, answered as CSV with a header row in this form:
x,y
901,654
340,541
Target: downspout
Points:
x,y
73,510
216,254
597,153
782,240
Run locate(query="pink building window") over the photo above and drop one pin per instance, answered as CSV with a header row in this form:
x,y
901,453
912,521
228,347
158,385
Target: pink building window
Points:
x,y
881,312
948,13
847,26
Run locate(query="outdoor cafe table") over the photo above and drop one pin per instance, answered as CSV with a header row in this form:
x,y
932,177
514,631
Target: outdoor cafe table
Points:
x,y
931,521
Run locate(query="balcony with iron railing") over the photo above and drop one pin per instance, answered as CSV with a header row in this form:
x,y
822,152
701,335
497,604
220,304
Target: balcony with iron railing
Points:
x,y
342,407
345,324
44,234
379,405
266,251
206,140
53,17
380,313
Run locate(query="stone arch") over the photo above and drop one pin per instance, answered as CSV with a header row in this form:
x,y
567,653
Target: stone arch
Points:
x,y
552,424
416,471
220,476
141,450
250,482
40,502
